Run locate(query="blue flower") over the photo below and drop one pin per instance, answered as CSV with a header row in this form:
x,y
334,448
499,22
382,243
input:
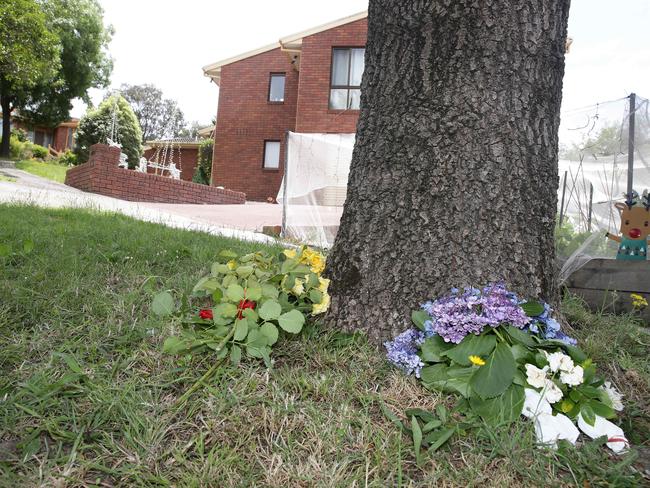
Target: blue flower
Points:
x,y
402,351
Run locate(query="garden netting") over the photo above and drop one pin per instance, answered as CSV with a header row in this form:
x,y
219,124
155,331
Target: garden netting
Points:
x,y
593,160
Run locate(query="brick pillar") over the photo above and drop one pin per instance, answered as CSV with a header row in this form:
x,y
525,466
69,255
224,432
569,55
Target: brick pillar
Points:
x,y
104,155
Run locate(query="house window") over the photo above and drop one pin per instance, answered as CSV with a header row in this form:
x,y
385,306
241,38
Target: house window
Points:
x,y
345,86
271,154
276,87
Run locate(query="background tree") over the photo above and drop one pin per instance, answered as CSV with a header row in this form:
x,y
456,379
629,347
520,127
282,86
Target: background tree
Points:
x,y
203,172
159,117
113,119
84,61
29,52
454,174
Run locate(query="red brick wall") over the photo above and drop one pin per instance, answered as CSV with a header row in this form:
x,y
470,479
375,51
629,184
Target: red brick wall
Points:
x,y
102,175
189,158
246,119
313,114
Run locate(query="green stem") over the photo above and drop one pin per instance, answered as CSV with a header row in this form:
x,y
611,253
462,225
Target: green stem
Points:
x,y
499,335
207,375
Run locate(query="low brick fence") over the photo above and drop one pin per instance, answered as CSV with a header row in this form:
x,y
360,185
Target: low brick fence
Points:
x,y
102,175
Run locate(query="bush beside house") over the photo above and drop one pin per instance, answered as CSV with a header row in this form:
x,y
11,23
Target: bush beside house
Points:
x,y
203,173
98,125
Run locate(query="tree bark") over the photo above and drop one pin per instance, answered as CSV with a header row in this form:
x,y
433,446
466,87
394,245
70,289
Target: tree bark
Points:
x,y
5,104
454,174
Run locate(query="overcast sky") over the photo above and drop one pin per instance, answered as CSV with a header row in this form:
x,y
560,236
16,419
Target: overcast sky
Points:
x,y
166,43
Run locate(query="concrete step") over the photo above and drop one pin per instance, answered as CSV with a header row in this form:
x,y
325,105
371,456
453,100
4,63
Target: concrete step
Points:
x,y
4,163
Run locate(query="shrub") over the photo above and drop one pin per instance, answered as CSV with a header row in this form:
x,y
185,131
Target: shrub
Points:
x,y
203,172
18,149
68,158
95,127
19,134
39,151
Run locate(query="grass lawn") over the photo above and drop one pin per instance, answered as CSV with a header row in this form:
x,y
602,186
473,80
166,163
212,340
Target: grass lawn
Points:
x,y
51,171
86,394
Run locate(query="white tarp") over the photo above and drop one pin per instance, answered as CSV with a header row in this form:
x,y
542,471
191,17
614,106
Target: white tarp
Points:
x,y
316,177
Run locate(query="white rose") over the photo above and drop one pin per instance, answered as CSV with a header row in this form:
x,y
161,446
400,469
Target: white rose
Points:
x,y
614,395
536,377
551,392
573,377
559,361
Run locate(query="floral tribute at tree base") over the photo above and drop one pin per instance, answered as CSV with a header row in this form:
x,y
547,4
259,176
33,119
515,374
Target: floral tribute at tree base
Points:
x,y
505,358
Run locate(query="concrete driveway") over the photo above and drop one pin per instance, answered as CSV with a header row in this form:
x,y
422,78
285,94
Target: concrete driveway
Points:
x,y
238,221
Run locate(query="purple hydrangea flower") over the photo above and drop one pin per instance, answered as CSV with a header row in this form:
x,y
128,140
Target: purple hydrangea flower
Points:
x,y
403,351
456,315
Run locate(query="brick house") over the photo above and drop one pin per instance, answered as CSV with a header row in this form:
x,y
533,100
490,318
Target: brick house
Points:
x,y
307,82
60,138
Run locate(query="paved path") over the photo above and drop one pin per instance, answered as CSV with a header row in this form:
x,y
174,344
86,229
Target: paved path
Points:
x,y
238,221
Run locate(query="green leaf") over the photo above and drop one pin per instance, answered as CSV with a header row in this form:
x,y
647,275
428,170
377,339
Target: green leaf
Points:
x,y
441,411
518,335
241,329
420,413
432,349
270,310
270,291
244,271
434,373
174,345
228,310
315,296
292,321
588,414
251,315
532,308
392,417
505,408
235,354
217,295
576,354
228,254
439,438
28,246
254,293
496,375
270,331
235,292
601,409
432,424
287,266
518,351
163,304
419,317
471,345
219,269
417,438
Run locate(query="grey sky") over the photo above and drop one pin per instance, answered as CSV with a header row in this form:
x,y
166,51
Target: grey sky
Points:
x,y
166,43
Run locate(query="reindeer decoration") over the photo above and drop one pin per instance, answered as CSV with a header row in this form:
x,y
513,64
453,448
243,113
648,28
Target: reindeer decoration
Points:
x,y
635,227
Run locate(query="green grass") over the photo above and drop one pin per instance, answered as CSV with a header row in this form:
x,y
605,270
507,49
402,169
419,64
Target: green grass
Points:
x,y
86,395
8,179
51,171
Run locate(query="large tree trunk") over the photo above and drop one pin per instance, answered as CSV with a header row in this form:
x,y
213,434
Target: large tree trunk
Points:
x,y
454,174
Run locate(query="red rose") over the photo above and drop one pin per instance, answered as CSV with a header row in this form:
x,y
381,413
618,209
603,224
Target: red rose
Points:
x,y
243,305
206,314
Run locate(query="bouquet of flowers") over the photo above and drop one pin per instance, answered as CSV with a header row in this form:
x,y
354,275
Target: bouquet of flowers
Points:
x,y
505,357
247,302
